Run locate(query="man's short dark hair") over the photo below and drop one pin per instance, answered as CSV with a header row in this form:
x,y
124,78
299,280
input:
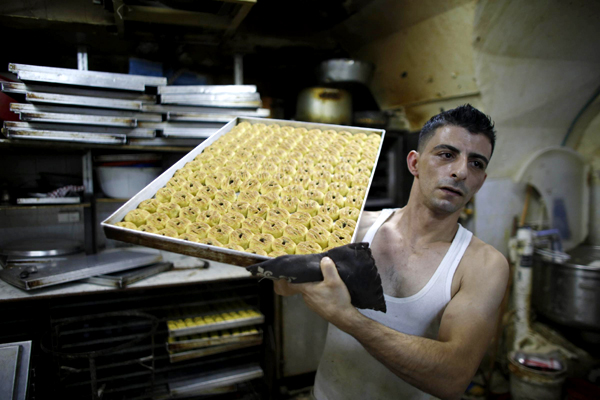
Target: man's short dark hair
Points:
x,y
465,116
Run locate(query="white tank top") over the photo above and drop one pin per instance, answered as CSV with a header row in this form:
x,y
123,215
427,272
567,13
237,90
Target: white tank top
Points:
x,y
347,371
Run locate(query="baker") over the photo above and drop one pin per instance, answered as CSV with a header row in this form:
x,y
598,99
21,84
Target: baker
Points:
x,y
443,286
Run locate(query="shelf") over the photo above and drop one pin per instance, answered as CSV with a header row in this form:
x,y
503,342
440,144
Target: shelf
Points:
x,y
6,143
26,207
110,200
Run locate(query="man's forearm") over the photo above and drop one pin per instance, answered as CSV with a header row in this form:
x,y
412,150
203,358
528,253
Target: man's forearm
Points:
x,y
427,364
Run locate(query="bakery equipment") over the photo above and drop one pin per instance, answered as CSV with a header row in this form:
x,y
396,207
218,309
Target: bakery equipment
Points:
x,y
206,89
241,100
198,249
32,109
345,70
122,279
204,382
325,105
14,369
15,130
40,247
85,78
35,275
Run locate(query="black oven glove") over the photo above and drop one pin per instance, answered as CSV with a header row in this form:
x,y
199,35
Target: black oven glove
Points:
x,y
354,263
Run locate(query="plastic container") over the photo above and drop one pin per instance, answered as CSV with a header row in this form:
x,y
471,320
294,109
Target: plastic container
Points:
x,y
125,182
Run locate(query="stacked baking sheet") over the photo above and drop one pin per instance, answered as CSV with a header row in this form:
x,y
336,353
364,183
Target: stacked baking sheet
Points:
x,y
61,104
204,331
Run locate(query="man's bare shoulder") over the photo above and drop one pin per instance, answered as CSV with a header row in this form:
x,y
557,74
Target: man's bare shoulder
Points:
x,y
367,219
483,261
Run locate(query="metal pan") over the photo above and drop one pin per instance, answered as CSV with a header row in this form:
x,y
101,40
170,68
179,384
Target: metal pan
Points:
x,y
200,89
31,108
91,129
24,88
200,250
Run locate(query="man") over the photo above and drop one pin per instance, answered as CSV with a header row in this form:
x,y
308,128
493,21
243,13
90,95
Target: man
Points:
x,y
443,286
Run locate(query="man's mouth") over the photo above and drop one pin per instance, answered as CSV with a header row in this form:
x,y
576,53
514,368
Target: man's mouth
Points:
x,y
452,191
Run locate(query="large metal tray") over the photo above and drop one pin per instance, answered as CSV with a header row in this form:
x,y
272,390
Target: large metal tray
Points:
x,y
200,250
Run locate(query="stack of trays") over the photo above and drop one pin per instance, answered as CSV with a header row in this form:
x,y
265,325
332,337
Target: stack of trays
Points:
x,y
203,331
256,188
106,108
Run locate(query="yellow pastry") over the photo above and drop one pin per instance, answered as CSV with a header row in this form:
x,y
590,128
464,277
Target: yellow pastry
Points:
x,y
216,179
262,241
129,225
331,210
259,252
148,229
283,178
194,165
158,220
324,221
184,173
258,210
137,217
339,187
192,187
288,203
208,190
308,248
233,219
314,194
171,209
181,198
357,191
249,196
274,228
241,237
226,194
270,167
201,201
240,207
179,225
310,207
233,246
360,180
300,217
199,176
220,205
361,169
334,198
164,195
220,233
290,161
344,177
211,217
263,176
233,183
253,224
320,185
293,190
318,235
343,167
199,229
270,187
302,180
168,232
278,214
295,232
149,205
350,213
323,176
339,237
190,237
211,242
346,224
270,199
284,244
354,201
277,253
258,158
250,184
176,183
190,213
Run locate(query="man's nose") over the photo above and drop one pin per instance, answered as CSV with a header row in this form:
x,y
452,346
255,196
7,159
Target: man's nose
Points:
x,y
460,169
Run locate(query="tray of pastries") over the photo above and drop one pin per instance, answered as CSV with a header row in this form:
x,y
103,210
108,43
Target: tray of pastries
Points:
x,y
257,188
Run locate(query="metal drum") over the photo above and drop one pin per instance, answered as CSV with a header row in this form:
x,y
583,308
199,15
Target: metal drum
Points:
x,y
569,293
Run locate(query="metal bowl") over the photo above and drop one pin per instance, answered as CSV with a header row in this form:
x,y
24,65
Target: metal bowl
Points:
x,y
345,70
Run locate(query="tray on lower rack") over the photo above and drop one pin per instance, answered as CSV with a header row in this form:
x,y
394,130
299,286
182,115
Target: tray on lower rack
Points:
x,y
214,321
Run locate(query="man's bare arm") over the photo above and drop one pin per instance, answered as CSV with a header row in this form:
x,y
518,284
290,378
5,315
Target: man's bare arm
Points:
x,y
442,367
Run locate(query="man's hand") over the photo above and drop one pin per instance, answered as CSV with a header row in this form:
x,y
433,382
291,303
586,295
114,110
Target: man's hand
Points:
x,y
329,298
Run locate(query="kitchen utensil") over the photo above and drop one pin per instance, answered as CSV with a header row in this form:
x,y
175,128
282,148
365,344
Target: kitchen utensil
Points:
x,y
325,105
345,70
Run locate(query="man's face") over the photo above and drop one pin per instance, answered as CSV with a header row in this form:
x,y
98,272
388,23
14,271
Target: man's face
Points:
x,y
451,168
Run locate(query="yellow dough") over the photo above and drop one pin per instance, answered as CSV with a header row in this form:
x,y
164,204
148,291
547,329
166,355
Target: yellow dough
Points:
x,y
249,196
181,198
310,207
295,232
176,183
301,218
220,233
274,228
308,248
184,173
350,213
201,201
331,210
288,203
164,195
277,253
324,221
339,187
129,225
334,198
149,205
314,194
179,225
258,210
148,228
270,187
220,205
250,184
354,201
171,209
345,224
263,176
199,229
168,232
241,237
233,219
240,207
211,217
318,235
192,187
256,251
190,237
278,214
262,241
233,246
226,194
137,217
215,179
211,242
339,237
254,224
270,199
208,190
285,244
190,213
158,220
293,190
234,183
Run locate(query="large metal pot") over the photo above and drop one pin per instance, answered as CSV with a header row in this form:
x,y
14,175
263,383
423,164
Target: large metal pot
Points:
x,y
345,70
325,105
569,293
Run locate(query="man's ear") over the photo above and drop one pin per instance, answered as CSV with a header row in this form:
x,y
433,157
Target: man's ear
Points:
x,y
412,160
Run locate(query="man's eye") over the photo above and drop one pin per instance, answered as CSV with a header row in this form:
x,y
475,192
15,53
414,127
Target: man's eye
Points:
x,y
478,164
446,155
